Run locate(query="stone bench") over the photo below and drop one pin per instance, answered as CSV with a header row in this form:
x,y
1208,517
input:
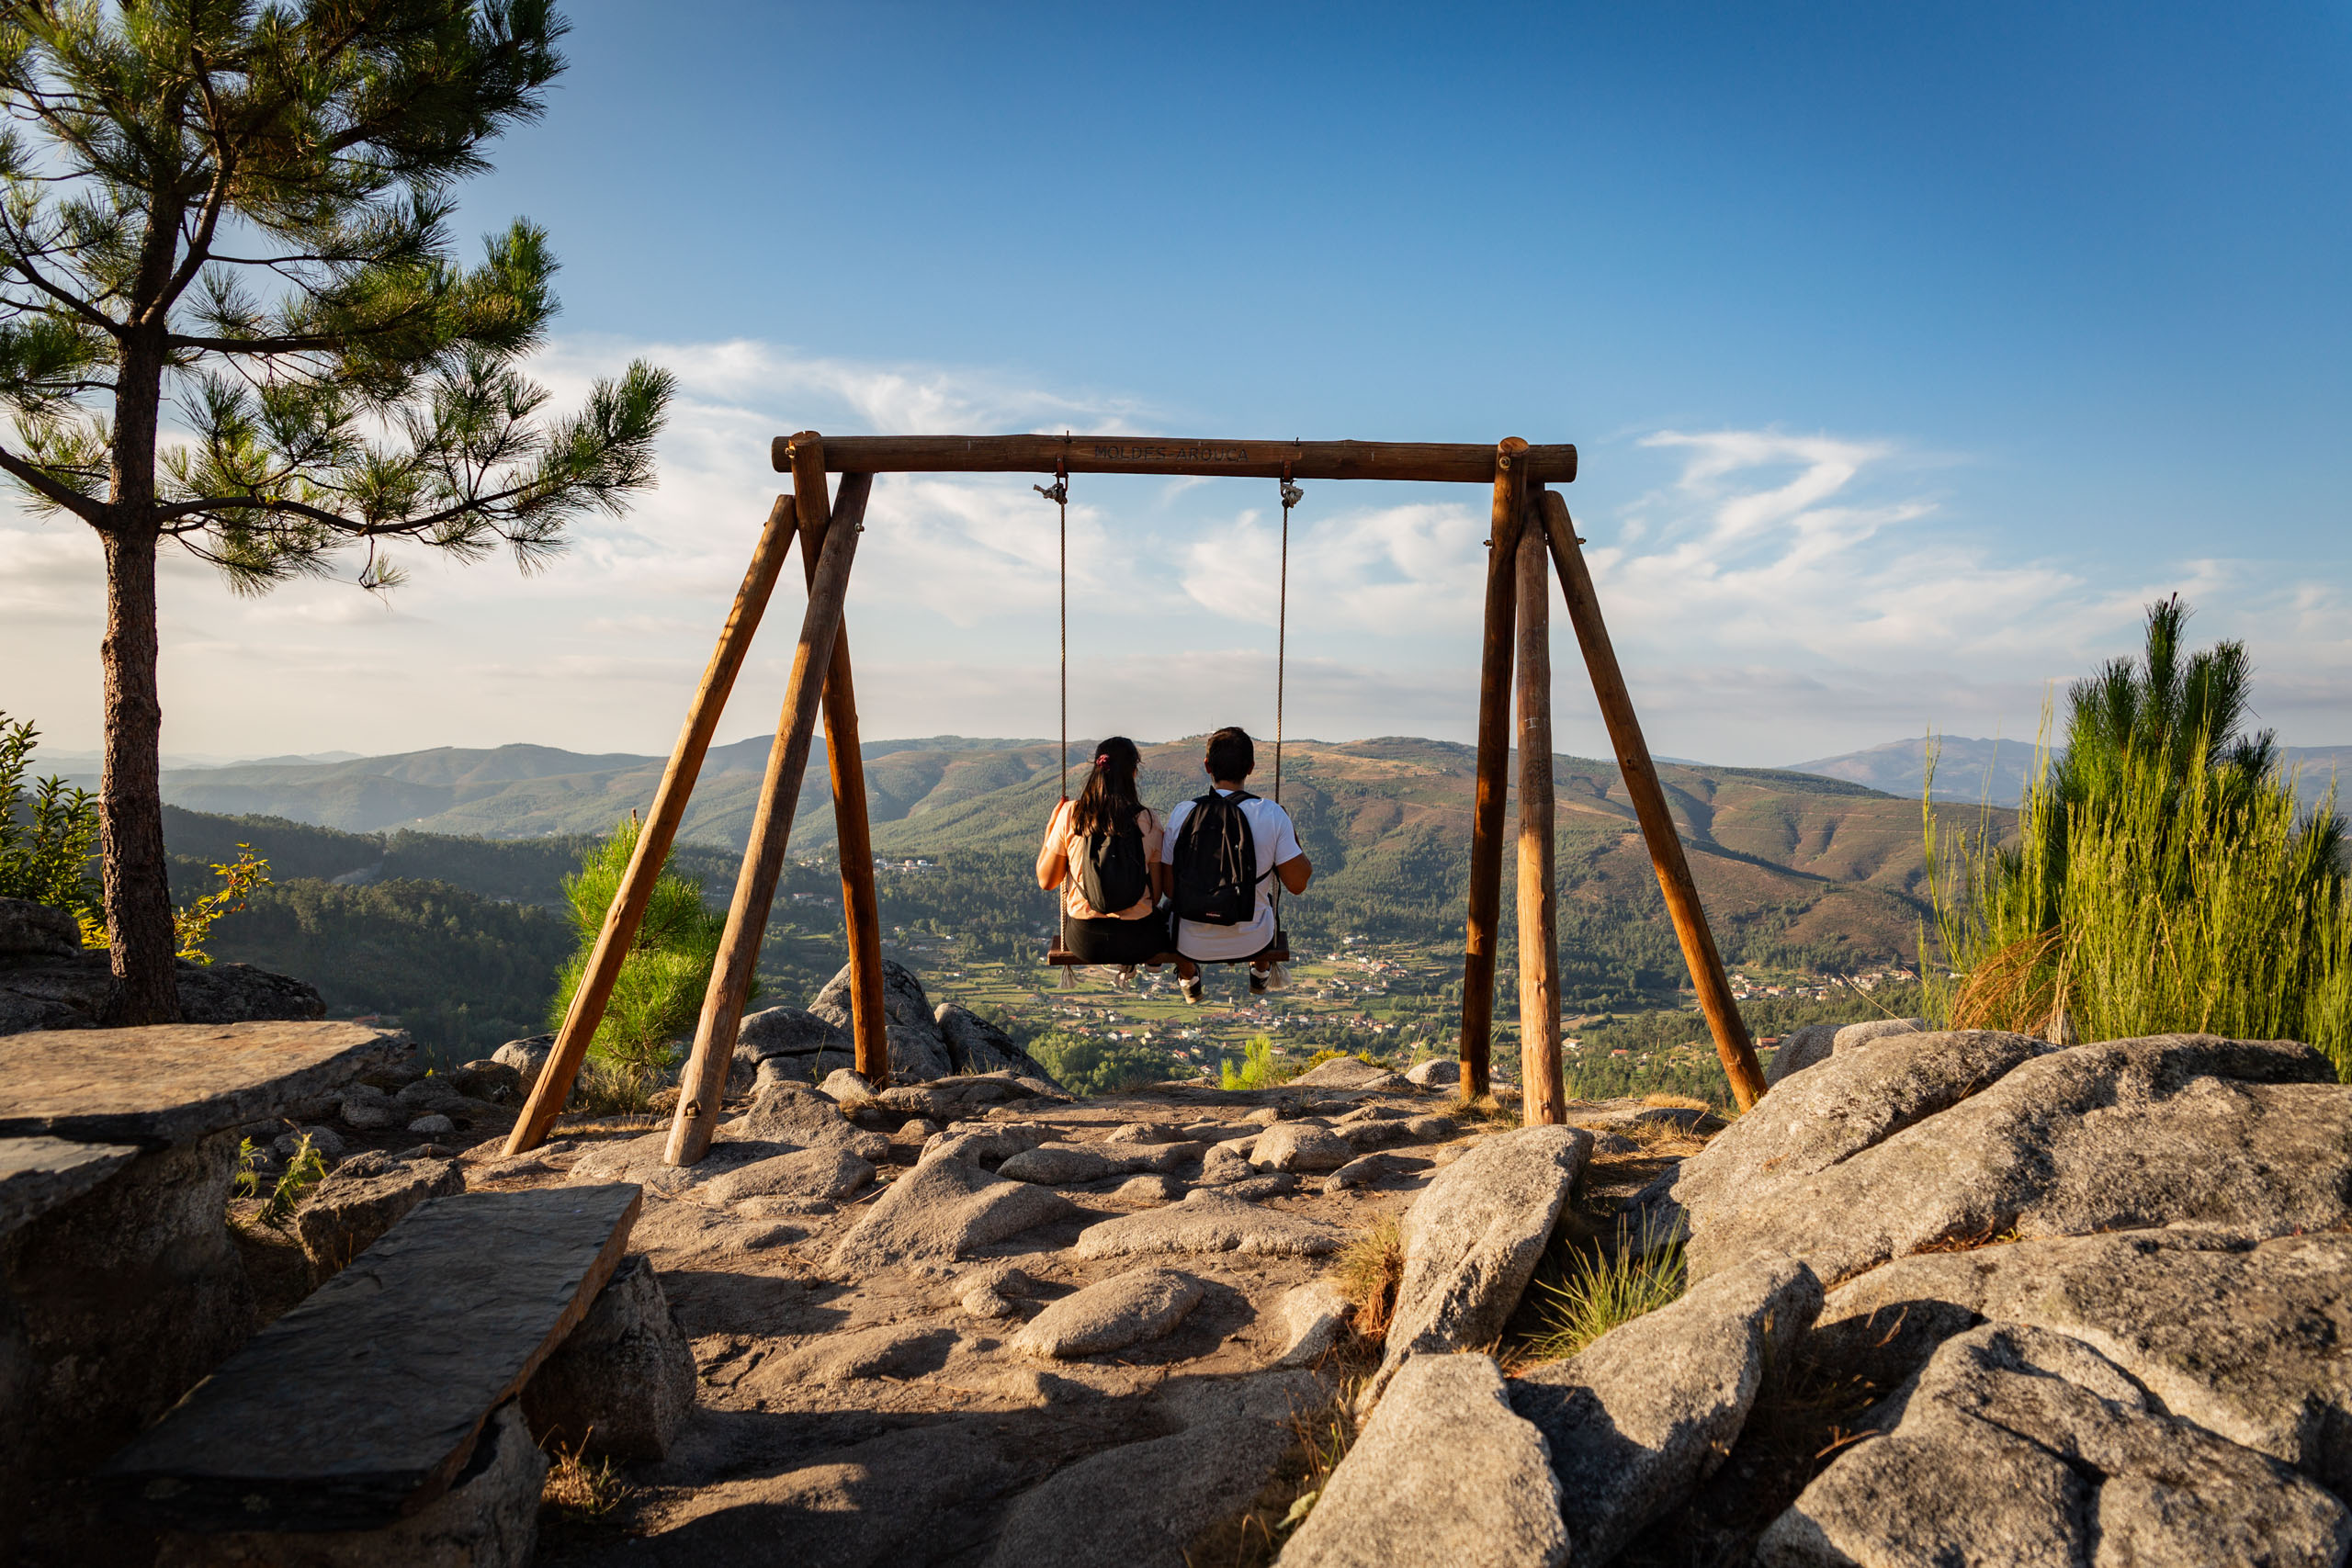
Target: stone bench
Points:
x,y
120,1287
385,1404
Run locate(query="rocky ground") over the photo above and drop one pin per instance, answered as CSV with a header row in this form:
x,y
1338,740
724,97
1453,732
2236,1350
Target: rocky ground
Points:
x,y
1095,1330
1951,1298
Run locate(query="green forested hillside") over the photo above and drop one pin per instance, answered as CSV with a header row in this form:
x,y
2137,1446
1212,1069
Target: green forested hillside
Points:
x,y
457,938
1797,871
461,971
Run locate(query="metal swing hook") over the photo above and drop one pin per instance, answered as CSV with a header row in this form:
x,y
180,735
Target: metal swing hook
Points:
x,y
1058,491
1292,494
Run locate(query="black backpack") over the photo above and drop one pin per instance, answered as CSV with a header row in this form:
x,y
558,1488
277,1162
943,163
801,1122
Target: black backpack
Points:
x,y
1216,863
1113,874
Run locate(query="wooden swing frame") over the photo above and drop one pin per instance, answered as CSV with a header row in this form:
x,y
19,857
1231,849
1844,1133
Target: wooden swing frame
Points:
x,y
1530,531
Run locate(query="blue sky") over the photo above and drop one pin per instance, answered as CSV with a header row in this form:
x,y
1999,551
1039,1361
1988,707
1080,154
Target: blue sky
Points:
x,y
1910,350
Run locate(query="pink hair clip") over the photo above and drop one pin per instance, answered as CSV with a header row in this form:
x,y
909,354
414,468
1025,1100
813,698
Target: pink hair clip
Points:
x,y
1103,760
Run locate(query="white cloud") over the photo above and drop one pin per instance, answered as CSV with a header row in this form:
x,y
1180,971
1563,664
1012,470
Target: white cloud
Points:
x,y
1772,596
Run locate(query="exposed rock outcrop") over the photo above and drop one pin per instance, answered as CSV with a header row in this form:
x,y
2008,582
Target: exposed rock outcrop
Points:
x,y
939,1212
2249,1135
1472,1241
1443,1472
49,981
1112,1314
917,1052
2016,1444
2246,1339
363,1197
622,1383
1642,1414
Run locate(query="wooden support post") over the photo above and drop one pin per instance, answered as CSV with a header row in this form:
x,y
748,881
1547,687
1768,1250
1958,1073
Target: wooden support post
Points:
x,y
861,908
1544,1097
1493,748
1732,1043
704,1084
619,933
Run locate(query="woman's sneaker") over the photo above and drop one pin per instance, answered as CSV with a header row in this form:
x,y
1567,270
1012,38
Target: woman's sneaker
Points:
x,y
1191,989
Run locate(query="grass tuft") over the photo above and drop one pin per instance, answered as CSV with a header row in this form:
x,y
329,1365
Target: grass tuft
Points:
x,y
610,1086
1368,1269
1596,1291
579,1491
303,1172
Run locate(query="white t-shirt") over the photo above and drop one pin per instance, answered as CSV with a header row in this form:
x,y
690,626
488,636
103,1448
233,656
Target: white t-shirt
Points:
x,y
1276,841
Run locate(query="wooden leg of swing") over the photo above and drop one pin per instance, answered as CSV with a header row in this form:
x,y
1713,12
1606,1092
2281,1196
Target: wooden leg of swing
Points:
x,y
861,908
704,1084
1545,1102
1732,1043
615,938
1493,748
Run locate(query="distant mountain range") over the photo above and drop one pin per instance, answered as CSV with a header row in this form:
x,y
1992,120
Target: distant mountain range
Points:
x,y
1822,862
1996,771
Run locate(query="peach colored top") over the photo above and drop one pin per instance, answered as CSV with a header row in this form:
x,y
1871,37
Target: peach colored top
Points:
x,y
1056,852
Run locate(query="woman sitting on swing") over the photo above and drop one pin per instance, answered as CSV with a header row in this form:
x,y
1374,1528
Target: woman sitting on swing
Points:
x,y
1102,850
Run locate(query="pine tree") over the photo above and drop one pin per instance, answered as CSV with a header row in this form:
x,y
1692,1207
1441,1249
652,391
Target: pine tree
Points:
x,y
231,319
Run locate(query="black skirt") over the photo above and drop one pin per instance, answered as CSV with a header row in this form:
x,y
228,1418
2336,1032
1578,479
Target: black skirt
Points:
x,y
1117,941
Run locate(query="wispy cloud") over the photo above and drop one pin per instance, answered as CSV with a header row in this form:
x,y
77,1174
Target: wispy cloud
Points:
x,y
1773,594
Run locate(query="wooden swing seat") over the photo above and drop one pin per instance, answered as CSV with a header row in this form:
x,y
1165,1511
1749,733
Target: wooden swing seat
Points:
x,y
1279,953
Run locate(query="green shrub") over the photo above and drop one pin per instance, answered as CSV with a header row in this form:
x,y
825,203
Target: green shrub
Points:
x,y
1258,1069
1332,1054
2164,879
304,1171
48,835
658,996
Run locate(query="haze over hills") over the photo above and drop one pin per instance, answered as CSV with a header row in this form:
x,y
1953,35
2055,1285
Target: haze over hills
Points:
x,y
1819,862
1995,771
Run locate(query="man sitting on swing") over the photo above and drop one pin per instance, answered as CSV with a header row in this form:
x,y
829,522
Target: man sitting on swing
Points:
x,y
1223,853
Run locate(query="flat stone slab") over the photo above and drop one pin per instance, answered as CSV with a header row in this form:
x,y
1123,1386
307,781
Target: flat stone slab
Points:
x,y
38,1173
364,1402
1208,1221
174,1083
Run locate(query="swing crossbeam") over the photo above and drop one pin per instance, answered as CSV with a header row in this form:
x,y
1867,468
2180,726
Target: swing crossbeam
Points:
x,y
1424,461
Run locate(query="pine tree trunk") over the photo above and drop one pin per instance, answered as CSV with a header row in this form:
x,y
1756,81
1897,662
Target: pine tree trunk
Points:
x,y
130,795
130,810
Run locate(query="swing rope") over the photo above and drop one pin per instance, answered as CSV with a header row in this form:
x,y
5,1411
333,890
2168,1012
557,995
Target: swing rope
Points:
x,y
1058,493
1291,496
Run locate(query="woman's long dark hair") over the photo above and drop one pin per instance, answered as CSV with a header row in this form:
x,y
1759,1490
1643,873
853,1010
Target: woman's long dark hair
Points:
x,y
1109,802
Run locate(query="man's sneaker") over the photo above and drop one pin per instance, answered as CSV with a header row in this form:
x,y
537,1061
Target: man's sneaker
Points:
x,y
1257,981
1191,989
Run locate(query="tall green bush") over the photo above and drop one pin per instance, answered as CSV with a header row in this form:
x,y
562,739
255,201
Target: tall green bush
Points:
x,y
2164,877
48,835
659,994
